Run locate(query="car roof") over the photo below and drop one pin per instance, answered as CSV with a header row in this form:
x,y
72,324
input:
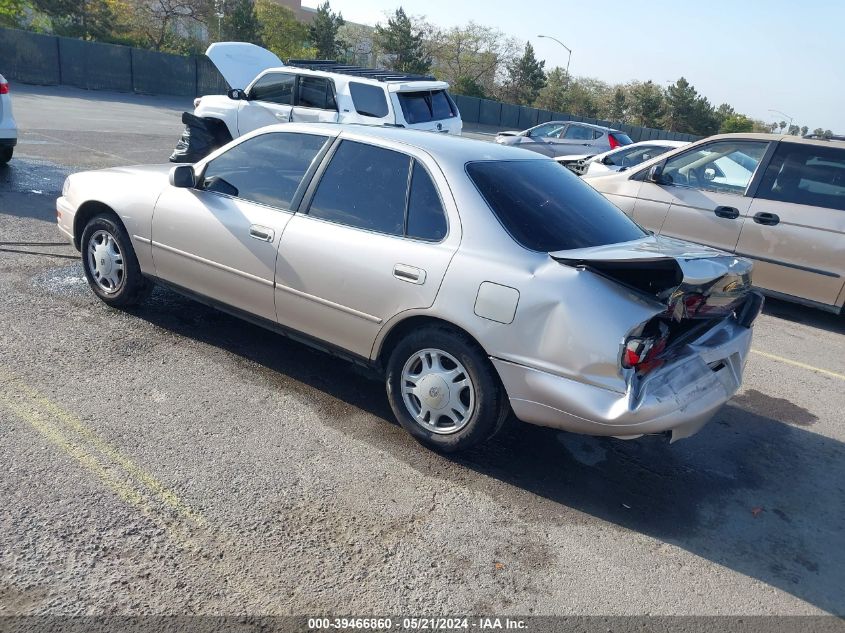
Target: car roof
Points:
x,y
784,138
579,123
444,147
433,83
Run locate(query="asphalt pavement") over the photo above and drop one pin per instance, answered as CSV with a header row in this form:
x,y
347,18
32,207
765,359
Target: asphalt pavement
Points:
x,y
172,459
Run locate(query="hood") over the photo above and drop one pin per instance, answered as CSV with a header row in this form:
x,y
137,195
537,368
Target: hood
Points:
x,y
690,280
140,169
240,62
574,157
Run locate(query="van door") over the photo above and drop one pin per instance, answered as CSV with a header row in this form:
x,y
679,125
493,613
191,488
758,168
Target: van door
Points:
x,y
269,101
707,186
795,230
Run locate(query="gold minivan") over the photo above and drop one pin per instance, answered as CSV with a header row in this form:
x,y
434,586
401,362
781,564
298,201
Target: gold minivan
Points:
x,y
778,200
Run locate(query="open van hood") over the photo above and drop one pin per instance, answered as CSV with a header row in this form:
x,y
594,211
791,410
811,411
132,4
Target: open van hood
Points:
x,y
692,281
240,62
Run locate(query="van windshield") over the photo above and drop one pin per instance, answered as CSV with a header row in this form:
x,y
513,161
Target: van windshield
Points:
x,y
427,105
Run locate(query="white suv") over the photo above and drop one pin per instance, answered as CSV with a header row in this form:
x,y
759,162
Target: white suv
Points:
x,y
8,128
266,91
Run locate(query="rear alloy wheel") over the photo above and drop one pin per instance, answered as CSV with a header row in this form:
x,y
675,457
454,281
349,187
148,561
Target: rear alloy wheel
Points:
x,y
110,264
444,390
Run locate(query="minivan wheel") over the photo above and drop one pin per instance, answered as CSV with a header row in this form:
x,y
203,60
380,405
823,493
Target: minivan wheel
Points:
x,y
110,264
444,391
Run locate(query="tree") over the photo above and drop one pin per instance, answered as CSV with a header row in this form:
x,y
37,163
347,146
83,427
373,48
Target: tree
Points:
x,y
736,123
617,109
89,19
687,111
323,32
280,31
525,78
240,23
468,87
404,44
646,104
156,25
782,125
804,130
11,12
471,55
793,130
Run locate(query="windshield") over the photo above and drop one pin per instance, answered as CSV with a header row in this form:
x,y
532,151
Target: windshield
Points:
x,y
545,207
427,105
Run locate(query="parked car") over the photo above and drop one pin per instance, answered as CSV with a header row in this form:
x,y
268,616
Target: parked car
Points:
x,y
8,127
265,92
779,200
476,278
623,158
574,141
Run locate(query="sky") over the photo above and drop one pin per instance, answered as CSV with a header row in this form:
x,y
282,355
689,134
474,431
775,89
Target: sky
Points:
x,y
756,55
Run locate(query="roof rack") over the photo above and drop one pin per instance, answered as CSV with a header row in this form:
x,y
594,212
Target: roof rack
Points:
x,y
381,74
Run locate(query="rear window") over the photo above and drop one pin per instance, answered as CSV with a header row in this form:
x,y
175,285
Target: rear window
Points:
x,y
368,100
427,105
622,138
547,208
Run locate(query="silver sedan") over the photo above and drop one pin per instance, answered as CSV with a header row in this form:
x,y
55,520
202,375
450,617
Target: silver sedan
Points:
x,y
479,279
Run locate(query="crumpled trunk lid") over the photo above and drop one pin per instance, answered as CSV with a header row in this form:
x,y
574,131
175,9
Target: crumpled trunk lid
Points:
x,y
691,281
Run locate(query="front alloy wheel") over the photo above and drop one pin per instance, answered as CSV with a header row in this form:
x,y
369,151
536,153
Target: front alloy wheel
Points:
x,y
105,261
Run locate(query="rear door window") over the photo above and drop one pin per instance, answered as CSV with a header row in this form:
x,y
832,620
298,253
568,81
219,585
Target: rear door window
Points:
x,y
315,92
578,133
806,174
274,88
368,100
266,169
364,186
427,105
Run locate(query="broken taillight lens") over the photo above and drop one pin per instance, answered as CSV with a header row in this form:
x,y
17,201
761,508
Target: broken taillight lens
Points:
x,y
4,88
642,353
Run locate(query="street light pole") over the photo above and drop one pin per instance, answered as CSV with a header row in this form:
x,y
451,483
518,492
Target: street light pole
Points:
x,y
782,114
568,50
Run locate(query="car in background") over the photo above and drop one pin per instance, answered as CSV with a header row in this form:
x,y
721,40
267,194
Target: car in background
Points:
x,y
623,158
265,91
778,200
8,127
476,279
566,138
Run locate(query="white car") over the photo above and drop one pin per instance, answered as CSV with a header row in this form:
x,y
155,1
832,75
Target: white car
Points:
x,y
8,127
623,158
265,91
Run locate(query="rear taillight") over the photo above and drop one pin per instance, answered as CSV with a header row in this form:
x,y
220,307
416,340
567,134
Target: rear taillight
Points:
x,y
642,353
614,142
4,88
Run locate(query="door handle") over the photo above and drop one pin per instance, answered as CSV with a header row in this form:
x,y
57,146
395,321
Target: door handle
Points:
x,y
262,233
726,212
411,274
769,219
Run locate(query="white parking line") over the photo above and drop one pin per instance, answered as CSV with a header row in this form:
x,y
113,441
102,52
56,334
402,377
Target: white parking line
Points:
x,y
795,363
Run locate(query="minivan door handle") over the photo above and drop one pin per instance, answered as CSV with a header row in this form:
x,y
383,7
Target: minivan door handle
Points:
x,y
729,213
769,219
258,232
411,274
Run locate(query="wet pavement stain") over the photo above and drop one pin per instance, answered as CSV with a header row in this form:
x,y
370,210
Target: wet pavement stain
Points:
x,y
780,409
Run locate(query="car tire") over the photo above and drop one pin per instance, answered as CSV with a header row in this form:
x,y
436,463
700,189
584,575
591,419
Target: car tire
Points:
x,y
6,154
456,399
110,264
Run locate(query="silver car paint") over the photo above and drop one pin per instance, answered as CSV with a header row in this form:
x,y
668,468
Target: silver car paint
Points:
x,y
559,357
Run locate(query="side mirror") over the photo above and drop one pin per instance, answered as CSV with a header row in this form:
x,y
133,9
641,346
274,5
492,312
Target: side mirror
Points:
x,y
236,94
183,177
656,175
710,174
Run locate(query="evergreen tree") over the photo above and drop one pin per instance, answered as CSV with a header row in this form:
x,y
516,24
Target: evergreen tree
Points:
x,y
406,46
323,32
647,104
88,19
241,22
526,78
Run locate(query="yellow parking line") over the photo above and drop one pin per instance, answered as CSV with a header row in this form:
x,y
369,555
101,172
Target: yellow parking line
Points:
x,y
795,363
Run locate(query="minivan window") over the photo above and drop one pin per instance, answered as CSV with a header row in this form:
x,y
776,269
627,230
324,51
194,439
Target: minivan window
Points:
x,y
426,217
365,187
545,207
368,100
806,174
266,169
275,88
427,105
315,92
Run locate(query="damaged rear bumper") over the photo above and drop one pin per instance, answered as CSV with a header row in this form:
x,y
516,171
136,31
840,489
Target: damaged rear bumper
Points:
x,y
680,397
